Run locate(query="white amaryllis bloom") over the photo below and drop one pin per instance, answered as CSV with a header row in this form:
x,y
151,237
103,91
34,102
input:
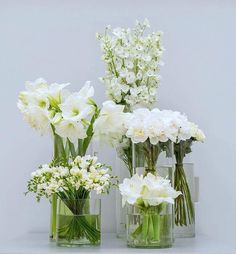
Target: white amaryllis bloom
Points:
x,y
109,126
39,103
73,130
132,61
147,191
44,106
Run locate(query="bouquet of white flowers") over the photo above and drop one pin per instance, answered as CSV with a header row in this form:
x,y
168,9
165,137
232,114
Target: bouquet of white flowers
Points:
x,y
132,63
151,132
149,196
184,208
67,117
72,183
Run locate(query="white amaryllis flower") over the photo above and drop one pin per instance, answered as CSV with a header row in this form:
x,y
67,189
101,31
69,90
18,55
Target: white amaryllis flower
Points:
x,y
44,106
109,126
77,106
73,130
39,103
147,191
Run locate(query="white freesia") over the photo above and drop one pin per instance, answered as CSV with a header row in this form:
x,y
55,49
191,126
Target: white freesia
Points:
x,y
73,179
147,191
132,64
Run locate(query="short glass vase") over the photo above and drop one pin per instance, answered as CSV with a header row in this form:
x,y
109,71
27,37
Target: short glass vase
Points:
x,y
79,222
150,227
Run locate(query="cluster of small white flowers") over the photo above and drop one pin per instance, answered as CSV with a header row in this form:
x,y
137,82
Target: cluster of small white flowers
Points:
x,y
147,191
132,63
44,105
160,126
84,173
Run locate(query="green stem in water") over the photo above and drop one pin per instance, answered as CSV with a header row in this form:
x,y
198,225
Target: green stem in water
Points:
x,y
156,226
184,208
145,227
53,217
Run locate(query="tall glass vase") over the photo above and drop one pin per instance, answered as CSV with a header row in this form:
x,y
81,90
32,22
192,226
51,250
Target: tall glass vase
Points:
x,y
185,211
121,172
59,155
156,159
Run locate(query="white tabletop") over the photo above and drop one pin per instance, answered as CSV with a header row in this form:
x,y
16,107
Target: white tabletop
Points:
x,y
38,243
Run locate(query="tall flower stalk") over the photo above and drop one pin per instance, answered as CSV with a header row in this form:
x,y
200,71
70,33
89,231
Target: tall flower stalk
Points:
x,y
67,117
132,60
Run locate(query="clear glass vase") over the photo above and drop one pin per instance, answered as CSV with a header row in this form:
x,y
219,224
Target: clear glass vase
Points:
x,y
184,204
156,159
122,172
79,222
150,227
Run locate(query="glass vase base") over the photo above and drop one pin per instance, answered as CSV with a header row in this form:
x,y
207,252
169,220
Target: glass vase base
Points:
x,y
150,245
77,243
184,231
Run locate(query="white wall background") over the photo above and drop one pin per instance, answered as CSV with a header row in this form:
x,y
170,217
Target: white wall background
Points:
x,y
56,40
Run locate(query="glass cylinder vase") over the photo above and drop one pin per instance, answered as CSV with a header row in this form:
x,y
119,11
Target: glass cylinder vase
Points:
x,y
122,173
156,159
184,205
79,222
150,227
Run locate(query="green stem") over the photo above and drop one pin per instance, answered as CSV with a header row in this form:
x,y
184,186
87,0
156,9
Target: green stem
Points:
x,y
145,227
156,226
53,217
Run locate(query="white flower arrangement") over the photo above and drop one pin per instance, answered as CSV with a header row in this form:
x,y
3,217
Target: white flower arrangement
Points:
x,y
44,106
160,126
75,180
132,63
147,191
143,124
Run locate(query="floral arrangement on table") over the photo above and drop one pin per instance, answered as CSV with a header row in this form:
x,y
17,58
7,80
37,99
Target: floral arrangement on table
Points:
x,y
139,133
132,64
152,132
149,196
73,183
67,117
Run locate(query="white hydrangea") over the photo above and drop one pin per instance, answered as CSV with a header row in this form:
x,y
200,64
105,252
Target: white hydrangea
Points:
x,y
147,191
132,64
83,174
